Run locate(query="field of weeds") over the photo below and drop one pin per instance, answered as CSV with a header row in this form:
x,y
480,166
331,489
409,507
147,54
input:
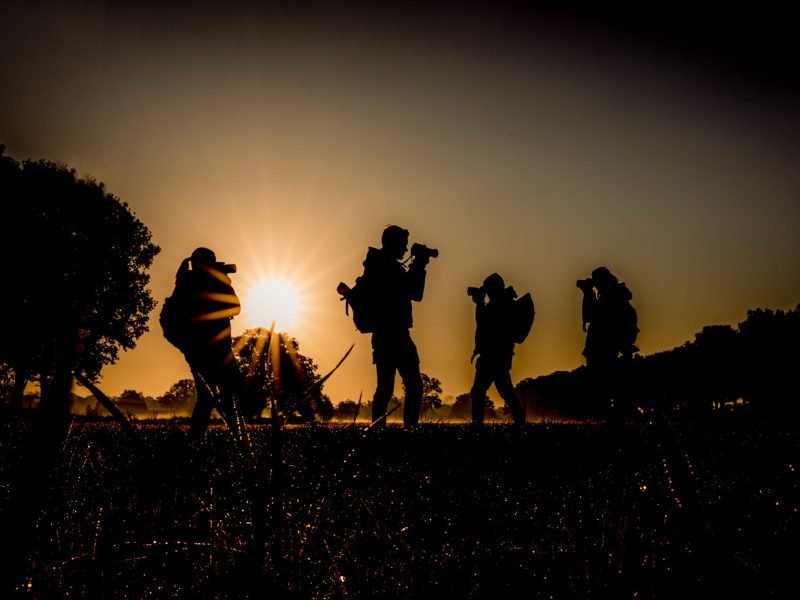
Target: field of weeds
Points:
x,y
546,511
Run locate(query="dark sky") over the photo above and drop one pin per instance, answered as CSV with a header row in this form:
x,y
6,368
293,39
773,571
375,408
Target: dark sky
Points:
x,y
535,140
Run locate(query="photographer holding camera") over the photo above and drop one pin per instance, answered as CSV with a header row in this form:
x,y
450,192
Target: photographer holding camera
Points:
x,y
392,289
494,345
196,319
609,320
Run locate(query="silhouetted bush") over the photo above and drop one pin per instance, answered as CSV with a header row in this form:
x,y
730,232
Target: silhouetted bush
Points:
x,y
751,367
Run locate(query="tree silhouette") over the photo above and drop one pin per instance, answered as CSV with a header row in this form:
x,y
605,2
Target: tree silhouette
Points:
x,y
462,407
180,397
273,368
132,403
346,410
770,355
752,366
74,292
431,394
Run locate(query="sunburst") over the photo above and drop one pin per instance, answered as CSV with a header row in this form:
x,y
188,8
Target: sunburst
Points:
x,y
273,300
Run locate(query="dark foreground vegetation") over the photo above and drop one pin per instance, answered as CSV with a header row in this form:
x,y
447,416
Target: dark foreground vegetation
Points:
x,y
647,510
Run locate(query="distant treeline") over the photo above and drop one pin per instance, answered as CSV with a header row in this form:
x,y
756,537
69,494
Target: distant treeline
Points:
x,y
751,367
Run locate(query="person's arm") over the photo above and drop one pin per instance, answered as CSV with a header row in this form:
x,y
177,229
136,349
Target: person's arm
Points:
x,y
480,327
415,279
587,308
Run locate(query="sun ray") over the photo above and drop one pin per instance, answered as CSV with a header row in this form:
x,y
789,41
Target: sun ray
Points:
x,y
275,363
258,351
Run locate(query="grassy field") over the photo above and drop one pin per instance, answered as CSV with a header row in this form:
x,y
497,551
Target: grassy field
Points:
x,y
548,511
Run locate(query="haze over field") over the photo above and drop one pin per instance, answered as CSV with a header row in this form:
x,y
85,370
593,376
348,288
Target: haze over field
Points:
x,y
532,142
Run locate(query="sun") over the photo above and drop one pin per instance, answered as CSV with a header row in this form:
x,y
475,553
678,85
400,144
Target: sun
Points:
x,y
273,299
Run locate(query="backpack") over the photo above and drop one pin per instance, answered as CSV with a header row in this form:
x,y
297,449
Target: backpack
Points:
x,y
360,299
174,324
522,318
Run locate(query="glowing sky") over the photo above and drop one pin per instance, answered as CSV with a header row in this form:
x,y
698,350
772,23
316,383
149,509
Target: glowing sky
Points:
x,y
535,143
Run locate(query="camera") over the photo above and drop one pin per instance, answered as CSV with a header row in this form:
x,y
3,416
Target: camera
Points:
x,y
422,251
476,293
585,285
225,267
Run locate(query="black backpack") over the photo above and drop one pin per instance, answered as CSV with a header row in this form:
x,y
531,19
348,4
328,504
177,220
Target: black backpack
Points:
x,y
522,318
360,298
174,323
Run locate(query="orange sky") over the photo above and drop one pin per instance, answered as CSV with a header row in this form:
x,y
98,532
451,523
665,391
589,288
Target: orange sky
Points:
x,y
538,147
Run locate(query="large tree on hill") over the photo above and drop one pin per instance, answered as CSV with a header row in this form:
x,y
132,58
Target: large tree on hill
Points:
x,y
75,275
274,369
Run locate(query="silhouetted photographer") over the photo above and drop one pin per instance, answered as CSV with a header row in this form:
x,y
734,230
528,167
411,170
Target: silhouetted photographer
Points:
x,y
610,323
196,319
501,322
381,304
609,319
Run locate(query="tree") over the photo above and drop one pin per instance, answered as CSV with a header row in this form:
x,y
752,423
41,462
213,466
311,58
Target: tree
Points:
x,y
132,403
346,410
462,407
180,398
770,356
74,292
491,411
752,367
274,368
431,394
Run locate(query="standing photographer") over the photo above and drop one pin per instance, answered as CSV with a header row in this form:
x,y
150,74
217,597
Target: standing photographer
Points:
x,y
609,320
494,346
198,324
392,288
610,323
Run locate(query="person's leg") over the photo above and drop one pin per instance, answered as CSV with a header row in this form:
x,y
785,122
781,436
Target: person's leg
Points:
x,y
201,415
600,370
231,387
408,367
483,379
383,392
505,388
412,381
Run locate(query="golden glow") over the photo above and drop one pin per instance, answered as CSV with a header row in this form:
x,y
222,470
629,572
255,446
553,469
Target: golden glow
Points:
x,y
273,299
